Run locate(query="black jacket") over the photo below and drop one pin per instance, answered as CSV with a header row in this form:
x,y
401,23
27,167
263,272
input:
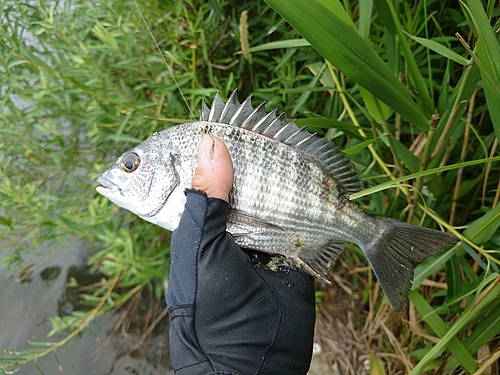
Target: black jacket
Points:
x,y
230,313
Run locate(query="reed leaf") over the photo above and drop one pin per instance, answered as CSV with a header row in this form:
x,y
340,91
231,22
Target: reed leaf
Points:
x,y
488,54
341,44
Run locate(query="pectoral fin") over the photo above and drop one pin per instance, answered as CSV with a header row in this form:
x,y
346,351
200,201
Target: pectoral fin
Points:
x,y
241,224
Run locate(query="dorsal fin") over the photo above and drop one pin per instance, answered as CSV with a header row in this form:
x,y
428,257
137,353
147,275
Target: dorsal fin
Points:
x,y
317,149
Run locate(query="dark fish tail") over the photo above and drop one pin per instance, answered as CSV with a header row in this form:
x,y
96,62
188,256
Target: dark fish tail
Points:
x,y
393,253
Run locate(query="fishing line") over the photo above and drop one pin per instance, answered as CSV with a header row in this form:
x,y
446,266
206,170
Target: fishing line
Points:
x,y
164,60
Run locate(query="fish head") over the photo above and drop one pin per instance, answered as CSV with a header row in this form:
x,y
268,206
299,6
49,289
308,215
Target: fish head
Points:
x,y
143,179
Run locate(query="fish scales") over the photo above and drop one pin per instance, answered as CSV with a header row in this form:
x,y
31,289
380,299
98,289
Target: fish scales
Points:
x,y
279,187
288,194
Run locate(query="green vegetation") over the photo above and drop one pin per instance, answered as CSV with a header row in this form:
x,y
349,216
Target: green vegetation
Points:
x,y
410,89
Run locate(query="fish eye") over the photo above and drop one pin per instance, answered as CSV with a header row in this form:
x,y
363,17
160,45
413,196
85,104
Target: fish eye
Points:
x,y
130,162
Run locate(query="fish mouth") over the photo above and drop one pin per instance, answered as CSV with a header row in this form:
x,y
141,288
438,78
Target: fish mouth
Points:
x,y
106,186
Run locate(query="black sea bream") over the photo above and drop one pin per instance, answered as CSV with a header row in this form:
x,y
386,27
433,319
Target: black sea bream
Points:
x,y
288,194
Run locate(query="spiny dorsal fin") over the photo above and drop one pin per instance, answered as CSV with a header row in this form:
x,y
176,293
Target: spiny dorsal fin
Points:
x,y
317,149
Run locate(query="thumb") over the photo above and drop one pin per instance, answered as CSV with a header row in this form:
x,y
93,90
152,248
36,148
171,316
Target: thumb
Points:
x,y
214,174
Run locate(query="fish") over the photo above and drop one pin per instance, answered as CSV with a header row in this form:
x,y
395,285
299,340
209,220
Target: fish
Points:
x,y
289,194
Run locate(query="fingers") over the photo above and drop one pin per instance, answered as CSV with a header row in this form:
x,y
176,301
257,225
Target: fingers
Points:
x,y
214,174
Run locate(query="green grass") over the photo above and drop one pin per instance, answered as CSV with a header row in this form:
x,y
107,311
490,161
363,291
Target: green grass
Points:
x,y
409,89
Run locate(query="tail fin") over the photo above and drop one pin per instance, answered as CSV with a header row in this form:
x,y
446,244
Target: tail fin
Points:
x,y
393,253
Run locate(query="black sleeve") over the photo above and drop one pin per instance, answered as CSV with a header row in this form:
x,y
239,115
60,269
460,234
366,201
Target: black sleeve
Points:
x,y
231,314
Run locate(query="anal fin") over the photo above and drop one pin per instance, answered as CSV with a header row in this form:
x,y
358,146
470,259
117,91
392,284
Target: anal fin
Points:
x,y
322,260
254,233
307,269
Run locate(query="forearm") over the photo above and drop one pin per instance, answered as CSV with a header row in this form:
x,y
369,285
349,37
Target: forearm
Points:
x,y
229,315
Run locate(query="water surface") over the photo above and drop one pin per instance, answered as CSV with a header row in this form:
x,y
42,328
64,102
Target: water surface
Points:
x,y
26,307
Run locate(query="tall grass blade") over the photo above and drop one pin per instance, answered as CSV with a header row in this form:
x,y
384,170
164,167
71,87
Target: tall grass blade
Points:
x,y
482,229
377,109
458,349
395,182
486,330
488,53
365,18
431,267
342,45
439,48
376,365
483,299
293,43
413,70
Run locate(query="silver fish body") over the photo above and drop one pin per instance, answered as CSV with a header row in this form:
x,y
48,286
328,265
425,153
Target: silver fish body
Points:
x,y
288,194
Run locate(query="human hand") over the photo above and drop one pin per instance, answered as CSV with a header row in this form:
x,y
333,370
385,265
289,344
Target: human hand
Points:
x,y
232,314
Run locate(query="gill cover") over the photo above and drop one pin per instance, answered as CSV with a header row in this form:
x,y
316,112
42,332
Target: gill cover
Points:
x,y
143,178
